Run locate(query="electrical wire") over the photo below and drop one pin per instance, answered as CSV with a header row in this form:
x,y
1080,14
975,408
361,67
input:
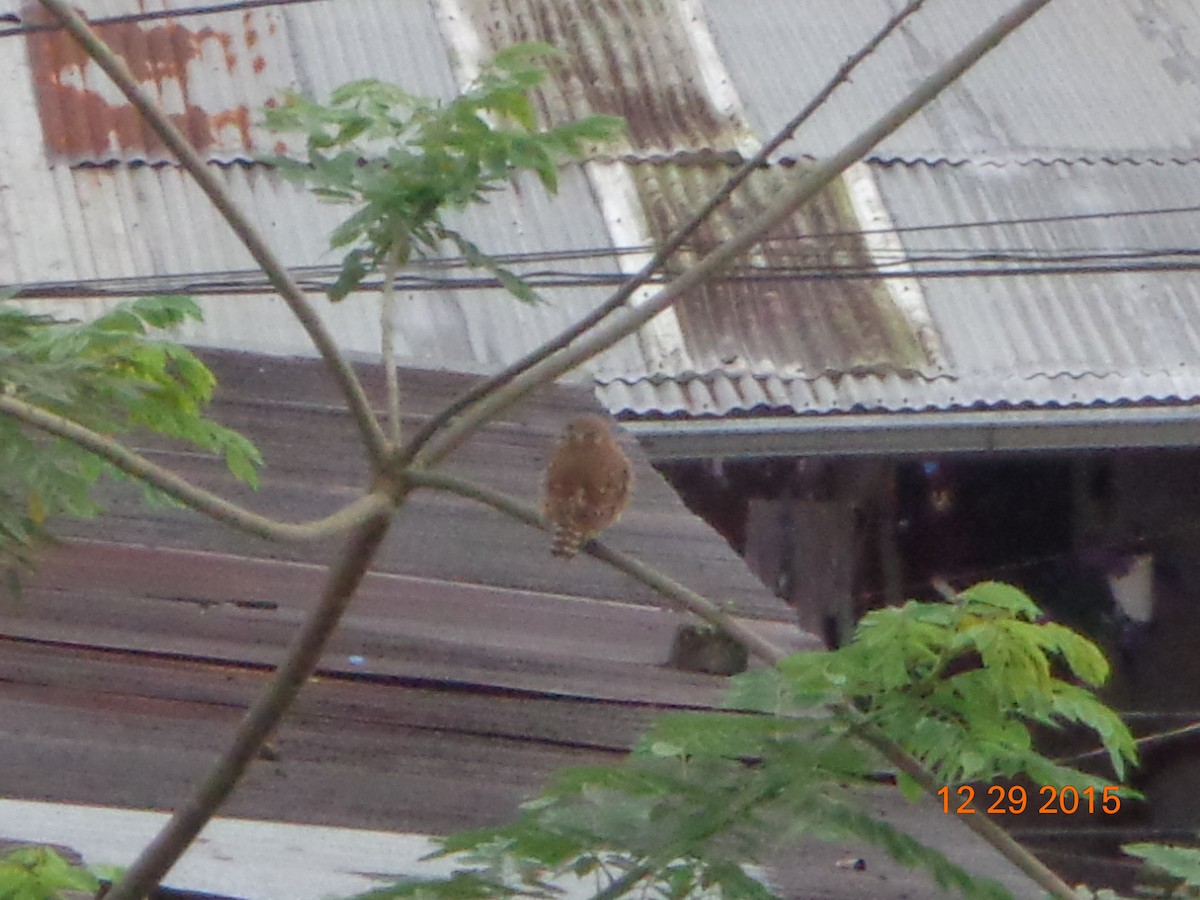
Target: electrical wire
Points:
x,y
988,264
126,18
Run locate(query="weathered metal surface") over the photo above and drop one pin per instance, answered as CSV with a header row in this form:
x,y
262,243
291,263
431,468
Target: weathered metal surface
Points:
x,y
635,59
1011,340
774,322
1077,82
792,346
85,120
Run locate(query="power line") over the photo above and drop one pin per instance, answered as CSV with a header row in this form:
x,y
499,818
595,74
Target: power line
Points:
x,y
318,278
125,18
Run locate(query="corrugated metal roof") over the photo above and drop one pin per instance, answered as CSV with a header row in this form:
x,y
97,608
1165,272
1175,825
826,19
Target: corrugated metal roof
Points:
x,y
212,76
635,59
1081,80
787,326
1050,92
1061,340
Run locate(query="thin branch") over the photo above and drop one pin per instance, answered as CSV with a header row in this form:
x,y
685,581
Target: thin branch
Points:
x,y
982,825
669,247
262,718
281,279
674,591
387,336
762,648
804,188
212,505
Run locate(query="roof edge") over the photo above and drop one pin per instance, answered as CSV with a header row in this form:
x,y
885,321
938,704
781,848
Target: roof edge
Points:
x,y
906,434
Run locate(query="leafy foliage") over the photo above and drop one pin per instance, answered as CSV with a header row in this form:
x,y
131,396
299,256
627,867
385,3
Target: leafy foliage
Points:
x,y
112,376
405,161
704,794
958,686
39,873
1180,863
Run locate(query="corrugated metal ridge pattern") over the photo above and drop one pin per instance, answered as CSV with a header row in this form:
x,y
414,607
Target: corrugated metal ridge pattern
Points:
x,y
786,326
212,75
126,220
1055,341
631,58
723,394
1132,325
1082,80
99,220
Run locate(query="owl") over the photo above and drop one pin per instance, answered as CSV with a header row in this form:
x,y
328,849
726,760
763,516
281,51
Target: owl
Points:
x,y
587,483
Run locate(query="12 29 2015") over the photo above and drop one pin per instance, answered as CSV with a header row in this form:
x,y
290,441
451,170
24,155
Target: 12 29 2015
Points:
x,y
1015,799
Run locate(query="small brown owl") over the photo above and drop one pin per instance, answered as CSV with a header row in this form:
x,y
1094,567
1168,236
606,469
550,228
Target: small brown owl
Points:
x,y
587,483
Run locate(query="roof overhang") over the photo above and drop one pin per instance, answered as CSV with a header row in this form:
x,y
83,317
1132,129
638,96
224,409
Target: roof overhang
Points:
x,y
909,433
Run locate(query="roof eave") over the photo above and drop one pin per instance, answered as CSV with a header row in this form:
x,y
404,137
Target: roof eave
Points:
x,y
911,433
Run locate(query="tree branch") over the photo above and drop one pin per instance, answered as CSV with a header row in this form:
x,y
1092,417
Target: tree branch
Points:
x,y
668,249
262,718
387,336
803,189
368,426
212,505
683,596
760,647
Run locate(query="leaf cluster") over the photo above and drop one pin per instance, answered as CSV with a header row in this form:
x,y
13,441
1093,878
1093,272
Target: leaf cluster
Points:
x,y
1180,864
405,161
40,873
113,376
959,686
703,794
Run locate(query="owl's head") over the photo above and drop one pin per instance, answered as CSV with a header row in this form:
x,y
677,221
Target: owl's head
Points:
x,y
588,429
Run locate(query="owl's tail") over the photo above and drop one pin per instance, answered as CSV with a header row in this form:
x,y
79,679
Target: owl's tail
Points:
x,y
567,542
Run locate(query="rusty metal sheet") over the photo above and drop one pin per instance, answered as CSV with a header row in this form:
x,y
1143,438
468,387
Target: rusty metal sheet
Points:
x,y
210,74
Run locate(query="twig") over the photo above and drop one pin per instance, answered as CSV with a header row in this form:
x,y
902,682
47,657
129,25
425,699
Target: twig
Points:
x,y
983,826
687,598
669,247
261,719
387,337
807,186
765,650
372,435
197,498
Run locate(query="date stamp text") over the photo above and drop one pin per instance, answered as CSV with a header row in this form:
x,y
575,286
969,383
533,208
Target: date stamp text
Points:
x,y
1050,801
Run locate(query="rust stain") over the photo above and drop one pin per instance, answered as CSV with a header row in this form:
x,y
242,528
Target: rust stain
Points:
x,y
83,125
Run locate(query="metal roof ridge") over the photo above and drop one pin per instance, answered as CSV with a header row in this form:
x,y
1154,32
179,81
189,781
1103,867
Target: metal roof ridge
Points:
x,y
1032,160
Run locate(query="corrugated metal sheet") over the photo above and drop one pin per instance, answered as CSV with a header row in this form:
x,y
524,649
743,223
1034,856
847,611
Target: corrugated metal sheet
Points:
x,y
633,59
1061,340
1051,92
125,221
1081,80
787,326
212,76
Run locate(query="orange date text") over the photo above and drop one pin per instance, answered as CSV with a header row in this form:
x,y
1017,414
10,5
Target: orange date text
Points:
x,y
1050,801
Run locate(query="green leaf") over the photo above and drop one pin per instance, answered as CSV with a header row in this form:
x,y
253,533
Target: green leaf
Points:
x,y
1178,862
1002,597
354,270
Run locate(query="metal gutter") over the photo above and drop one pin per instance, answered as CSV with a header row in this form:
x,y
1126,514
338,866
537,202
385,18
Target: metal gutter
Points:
x,y
892,434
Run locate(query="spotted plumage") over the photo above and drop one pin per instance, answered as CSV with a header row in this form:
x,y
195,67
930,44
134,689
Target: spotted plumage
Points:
x,y
587,483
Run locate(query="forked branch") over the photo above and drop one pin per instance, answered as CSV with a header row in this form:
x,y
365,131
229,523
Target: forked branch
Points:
x,y
356,398
178,488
